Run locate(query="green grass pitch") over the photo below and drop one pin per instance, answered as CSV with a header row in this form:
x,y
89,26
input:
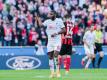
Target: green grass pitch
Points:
x,y
43,74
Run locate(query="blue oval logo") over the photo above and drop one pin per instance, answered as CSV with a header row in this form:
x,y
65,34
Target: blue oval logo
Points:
x,y
23,63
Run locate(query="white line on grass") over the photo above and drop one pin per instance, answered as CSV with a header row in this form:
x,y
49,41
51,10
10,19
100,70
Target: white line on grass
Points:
x,y
74,76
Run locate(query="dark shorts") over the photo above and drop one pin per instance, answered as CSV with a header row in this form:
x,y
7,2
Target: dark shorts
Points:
x,y
98,47
66,49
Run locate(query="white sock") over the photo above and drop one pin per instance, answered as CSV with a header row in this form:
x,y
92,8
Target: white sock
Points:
x,y
88,63
85,58
51,64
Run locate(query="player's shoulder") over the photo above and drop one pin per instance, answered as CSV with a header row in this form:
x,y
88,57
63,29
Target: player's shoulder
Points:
x,y
94,31
47,20
87,32
59,19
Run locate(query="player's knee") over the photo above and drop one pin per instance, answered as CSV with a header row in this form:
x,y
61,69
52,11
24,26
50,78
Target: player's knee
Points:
x,y
101,54
89,55
64,56
50,55
93,56
59,56
68,56
56,54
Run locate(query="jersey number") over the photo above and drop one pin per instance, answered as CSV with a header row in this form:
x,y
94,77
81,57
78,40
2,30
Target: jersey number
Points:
x,y
69,31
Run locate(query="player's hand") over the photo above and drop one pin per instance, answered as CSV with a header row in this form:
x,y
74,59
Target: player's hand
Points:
x,y
53,35
94,47
86,44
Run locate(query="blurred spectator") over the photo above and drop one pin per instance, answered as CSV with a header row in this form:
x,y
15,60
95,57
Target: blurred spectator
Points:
x,y
21,33
76,37
7,34
1,33
105,26
29,18
33,37
11,2
14,38
17,17
1,6
43,36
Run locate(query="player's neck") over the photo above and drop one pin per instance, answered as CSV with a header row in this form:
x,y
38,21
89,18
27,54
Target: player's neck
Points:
x,y
53,19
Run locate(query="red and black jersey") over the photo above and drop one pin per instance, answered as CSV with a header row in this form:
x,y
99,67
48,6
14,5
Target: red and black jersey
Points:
x,y
67,36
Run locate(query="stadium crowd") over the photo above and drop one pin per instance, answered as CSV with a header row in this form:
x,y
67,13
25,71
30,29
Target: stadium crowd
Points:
x,y
19,27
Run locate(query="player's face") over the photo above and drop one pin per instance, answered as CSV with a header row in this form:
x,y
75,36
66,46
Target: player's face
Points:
x,y
91,28
98,27
51,15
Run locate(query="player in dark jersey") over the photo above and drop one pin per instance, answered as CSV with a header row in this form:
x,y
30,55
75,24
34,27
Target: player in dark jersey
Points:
x,y
66,49
98,46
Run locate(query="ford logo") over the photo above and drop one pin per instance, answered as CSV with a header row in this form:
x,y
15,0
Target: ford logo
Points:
x,y
23,63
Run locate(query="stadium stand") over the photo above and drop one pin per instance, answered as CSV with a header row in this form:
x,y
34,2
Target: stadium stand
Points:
x,y
19,27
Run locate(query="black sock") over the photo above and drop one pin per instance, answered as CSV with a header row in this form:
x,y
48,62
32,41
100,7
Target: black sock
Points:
x,y
93,62
99,61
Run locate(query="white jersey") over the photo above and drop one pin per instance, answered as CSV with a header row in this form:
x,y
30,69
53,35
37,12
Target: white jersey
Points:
x,y
54,43
53,27
89,37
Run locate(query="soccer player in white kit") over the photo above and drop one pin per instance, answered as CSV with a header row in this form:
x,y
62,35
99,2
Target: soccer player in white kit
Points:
x,y
54,28
89,42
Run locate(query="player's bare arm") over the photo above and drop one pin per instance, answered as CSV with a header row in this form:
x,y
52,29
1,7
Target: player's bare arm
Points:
x,y
84,41
38,19
63,30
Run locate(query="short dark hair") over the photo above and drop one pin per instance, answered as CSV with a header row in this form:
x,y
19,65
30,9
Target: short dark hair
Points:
x,y
67,16
53,12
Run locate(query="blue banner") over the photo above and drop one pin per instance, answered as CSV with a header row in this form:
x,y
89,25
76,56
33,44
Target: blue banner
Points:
x,y
20,58
80,50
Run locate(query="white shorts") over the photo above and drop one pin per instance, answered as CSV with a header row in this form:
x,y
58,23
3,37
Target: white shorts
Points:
x,y
54,46
89,49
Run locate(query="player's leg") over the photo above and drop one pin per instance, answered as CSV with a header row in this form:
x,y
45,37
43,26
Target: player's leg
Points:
x,y
51,59
83,60
68,58
68,63
87,55
57,48
100,58
90,55
88,63
59,61
93,60
62,54
51,63
56,53
64,60
95,52
101,55
65,52
89,60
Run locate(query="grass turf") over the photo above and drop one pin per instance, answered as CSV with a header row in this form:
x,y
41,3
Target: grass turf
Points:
x,y
43,74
